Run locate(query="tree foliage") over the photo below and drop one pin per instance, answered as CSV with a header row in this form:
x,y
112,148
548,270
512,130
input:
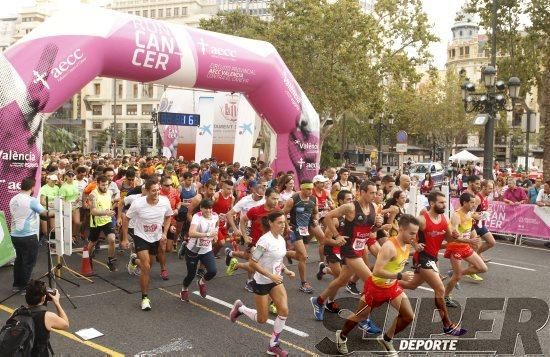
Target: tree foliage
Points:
x,y
528,47
61,140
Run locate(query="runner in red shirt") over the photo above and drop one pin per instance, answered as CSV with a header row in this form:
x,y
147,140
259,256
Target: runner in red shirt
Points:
x,y
223,201
173,196
433,230
324,205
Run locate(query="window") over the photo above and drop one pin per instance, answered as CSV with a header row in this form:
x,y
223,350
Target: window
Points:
x,y
169,12
461,51
153,13
97,89
131,109
97,125
147,90
160,13
146,109
467,50
137,12
145,13
470,33
96,109
176,12
119,92
460,33
118,109
130,12
453,53
184,11
135,90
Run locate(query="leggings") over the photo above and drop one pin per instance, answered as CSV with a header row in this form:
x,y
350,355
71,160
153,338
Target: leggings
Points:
x,y
192,260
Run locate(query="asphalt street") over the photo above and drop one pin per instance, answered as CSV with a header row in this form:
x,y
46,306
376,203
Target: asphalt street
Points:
x,y
201,327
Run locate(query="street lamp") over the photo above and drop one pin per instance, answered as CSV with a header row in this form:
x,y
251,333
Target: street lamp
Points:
x,y
154,120
488,103
380,124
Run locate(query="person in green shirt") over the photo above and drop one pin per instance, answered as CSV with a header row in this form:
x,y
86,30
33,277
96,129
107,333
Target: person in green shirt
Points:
x,y
48,193
69,193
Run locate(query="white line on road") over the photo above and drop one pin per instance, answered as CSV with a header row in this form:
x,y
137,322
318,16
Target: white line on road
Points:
x,y
512,266
425,288
269,321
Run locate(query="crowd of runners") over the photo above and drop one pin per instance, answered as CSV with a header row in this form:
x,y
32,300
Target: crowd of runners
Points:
x,y
258,220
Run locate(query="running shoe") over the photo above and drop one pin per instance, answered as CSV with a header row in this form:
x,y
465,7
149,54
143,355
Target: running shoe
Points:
x,y
276,351
318,310
454,330
132,266
320,273
111,264
332,307
341,343
228,256
249,286
145,304
387,346
306,287
232,267
352,289
450,302
272,308
202,288
369,327
184,295
474,277
235,313
449,275
164,274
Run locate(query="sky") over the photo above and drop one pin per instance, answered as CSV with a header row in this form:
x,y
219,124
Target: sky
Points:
x,y
440,12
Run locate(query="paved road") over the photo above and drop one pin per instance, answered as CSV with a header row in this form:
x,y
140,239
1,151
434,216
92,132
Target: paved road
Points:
x,y
201,327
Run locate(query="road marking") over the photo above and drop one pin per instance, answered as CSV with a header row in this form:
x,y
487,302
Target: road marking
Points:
x,y
512,266
94,294
252,328
73,337
269,321
522,246
425,288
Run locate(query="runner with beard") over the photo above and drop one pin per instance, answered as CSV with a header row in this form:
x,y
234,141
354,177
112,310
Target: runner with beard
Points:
x,y
434,228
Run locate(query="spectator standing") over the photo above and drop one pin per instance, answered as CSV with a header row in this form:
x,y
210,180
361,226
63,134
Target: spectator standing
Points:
x,y
534,190
515,195
543,199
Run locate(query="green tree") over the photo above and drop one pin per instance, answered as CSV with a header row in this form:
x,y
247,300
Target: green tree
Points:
x,y
60,140
528,47
341,56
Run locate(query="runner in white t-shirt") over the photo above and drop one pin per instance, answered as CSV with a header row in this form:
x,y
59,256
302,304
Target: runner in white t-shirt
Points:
x,y
202,233
267,261
148,214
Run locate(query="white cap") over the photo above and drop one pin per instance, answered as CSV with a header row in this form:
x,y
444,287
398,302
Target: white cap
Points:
x,y
52,177
320,178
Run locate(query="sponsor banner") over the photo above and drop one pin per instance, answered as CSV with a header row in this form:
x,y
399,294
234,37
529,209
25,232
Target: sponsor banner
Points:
x,y
7,252
528,220
205,132
244,132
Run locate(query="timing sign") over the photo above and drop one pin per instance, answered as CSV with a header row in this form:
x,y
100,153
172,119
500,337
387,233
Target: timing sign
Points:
x,y
166,118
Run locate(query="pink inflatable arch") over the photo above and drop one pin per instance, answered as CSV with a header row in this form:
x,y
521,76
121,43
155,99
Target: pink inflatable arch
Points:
x,y
45,68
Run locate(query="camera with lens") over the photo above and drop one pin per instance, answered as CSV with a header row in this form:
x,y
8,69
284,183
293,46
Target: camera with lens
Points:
x,y
50,291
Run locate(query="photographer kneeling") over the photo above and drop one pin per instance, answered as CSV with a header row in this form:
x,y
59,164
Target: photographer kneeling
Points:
x,y
36,296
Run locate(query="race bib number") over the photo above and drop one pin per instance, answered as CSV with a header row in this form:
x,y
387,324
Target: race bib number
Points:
x,y
204,243
359,244
303,231
278,269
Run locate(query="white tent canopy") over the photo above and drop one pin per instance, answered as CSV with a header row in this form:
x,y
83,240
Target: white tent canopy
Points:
x,y
464,156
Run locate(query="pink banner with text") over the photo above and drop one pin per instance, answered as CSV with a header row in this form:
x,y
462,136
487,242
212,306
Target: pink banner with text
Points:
x,y
528,220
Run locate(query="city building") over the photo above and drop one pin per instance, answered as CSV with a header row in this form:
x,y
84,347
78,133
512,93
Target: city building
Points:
x,y
258,8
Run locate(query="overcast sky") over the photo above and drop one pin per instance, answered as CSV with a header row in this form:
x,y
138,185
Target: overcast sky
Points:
x,y
440,12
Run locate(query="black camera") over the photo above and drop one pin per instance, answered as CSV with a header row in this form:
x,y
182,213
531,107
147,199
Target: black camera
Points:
x,y
50,291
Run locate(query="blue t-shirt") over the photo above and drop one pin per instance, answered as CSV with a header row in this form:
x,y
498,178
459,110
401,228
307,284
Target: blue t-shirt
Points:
x,y
24,215
533,192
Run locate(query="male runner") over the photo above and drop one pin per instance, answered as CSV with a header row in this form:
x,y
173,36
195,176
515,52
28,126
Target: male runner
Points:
x,y
461,248
151,216
482,189
434,229
223,202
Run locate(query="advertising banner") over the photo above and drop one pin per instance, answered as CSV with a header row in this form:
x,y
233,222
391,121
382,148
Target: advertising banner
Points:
x,y
7,252
528,220
205,133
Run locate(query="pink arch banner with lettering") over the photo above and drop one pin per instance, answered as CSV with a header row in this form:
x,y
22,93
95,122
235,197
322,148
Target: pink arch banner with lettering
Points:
x,y
45,68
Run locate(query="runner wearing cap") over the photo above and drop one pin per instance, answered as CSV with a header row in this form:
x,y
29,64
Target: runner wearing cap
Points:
x,y
150,216
202,233
304,218
267,262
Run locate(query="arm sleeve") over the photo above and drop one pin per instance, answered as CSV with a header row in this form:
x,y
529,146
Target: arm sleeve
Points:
x,y
36,206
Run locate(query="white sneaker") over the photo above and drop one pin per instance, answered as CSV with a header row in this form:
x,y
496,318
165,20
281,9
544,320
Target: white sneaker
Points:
x,y
387,346
145,304
341,343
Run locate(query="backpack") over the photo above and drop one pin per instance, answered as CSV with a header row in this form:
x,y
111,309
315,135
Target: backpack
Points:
x,y
17,336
